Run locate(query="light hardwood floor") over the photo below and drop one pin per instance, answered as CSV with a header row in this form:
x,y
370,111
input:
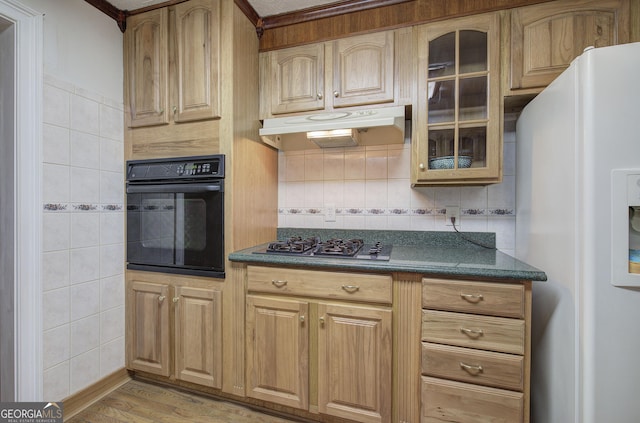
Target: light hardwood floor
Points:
x,y
141,402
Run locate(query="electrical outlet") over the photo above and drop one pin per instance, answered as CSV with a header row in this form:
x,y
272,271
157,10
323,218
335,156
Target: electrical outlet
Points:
x,y
329,212
452,211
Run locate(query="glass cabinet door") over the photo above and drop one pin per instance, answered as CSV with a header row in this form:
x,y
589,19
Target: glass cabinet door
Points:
x,y
458,112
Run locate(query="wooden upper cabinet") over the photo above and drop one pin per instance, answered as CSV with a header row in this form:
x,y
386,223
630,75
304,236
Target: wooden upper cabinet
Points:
x,y
458,137
146,55
356,71
197,73
545,38
172,64
363,70
297,79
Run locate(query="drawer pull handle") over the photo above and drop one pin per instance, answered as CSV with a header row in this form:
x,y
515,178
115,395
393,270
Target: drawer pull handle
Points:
x,y
473,369
350,288
472,298
278,284
474,333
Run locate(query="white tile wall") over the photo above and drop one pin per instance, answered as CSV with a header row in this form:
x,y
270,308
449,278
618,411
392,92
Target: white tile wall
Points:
x,y
83,238
371,189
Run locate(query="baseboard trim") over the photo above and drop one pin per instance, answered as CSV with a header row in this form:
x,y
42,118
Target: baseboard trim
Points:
x,y
77,402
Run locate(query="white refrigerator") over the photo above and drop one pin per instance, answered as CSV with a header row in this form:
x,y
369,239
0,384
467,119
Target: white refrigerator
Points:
x,y
577,189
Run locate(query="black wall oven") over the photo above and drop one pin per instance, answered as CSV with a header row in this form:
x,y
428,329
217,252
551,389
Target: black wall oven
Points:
x,y
175,215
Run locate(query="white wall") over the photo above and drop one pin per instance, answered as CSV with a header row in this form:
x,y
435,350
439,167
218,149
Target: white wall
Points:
x,y
82,46
371,189
83,217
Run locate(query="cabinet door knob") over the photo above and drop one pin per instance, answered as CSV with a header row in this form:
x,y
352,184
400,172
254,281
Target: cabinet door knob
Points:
x,y
336,94
161,298
421,166
175,299
175,110
278,283
350,288
320,96
322,321
301,319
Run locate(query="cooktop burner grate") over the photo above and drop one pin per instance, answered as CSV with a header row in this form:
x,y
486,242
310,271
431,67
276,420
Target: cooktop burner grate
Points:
x,y
295,245
339,247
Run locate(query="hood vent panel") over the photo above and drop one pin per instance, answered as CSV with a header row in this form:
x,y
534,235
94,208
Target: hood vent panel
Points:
x,y
378,126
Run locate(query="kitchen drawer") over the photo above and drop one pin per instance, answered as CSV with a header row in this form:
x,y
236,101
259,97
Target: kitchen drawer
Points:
x,y
320,284
475,366
495,299
468,330
449,401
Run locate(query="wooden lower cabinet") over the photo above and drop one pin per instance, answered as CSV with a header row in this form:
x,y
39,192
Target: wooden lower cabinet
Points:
x,y
278,351
448,401
325,356
198,335
352,357
354,362
148,327
192,351
475,357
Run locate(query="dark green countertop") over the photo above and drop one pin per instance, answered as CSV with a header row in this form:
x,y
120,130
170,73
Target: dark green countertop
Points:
x,y
428,253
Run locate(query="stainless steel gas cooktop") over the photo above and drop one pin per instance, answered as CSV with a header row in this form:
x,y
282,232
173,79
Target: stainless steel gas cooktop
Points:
x,y
333,248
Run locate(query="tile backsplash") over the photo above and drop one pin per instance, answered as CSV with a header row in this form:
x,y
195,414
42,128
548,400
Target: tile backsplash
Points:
x,y
370,188
83,238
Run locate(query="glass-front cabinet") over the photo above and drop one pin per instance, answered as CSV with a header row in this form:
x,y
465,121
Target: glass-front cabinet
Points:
x,y
458,138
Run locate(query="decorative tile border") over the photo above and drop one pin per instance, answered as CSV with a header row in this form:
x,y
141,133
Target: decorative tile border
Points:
x,y
112,207
473,212
51,207
502,212
85,207
81,207
396,211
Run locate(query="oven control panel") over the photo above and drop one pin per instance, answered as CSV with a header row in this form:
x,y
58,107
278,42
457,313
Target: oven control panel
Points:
x,y
176,168
197,169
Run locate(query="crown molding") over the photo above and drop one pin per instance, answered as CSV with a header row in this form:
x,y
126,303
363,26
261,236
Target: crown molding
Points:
x,y
261,23
325,11
120,16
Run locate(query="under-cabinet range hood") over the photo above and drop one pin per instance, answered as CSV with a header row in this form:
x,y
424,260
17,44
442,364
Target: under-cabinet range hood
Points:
x,y
374,126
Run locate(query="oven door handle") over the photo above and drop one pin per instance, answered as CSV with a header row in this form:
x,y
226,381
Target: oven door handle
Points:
x,y
177,188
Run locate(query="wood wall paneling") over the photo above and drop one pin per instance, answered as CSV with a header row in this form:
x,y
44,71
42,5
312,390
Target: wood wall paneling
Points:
x,y
385,17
